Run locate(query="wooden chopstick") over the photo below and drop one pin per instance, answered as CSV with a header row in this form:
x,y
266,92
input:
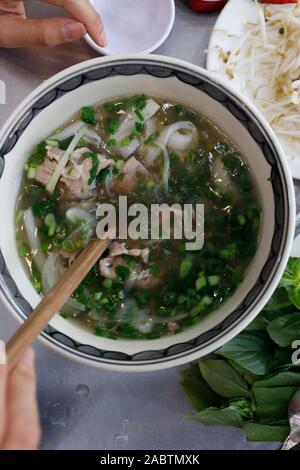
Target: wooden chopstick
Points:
x,y
53,301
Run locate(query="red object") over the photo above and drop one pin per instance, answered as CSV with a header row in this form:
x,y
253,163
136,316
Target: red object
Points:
x,y
206,5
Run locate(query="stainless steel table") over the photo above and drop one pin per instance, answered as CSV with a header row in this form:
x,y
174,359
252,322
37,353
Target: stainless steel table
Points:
x,y
86,408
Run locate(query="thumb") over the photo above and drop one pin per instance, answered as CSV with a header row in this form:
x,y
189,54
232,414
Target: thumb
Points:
x,y
23,427
19,32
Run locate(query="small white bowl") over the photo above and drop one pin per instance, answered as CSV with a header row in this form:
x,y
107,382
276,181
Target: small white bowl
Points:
x,y
134,26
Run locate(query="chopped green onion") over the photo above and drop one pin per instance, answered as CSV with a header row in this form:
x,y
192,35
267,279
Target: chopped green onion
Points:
x,y
152,138
119,165
185,267
36,279
206,300
154,271
35,160
81,143
139,115
125,142
111,142
201,282
42,208
241,219
97,296
19,217
138,128
42,148
107,283
50,222
52,143
95,165
45,246
213,280
31,172
68,245
179,110
79,245
150,184
24,250
113,125
88,115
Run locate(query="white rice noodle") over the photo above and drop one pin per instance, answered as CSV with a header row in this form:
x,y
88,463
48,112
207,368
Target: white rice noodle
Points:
x,y
150,127
128,120
127,123
220,174
51,273
143,323
76,213
150,110
172,138
166,135
68,131
33,239
152,154
64,160
180,142
128,150
91,136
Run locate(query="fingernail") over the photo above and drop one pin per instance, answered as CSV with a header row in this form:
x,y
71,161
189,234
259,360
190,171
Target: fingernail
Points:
x,y
28,358
73,31
103,39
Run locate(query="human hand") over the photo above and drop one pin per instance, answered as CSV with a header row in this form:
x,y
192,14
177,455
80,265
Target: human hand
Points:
x,y
19,420
18,31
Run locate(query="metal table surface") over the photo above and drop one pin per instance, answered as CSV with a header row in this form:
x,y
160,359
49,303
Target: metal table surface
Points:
x,y
86,408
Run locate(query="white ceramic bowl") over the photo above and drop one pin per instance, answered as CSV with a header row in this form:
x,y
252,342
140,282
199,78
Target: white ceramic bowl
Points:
x,y
134,26
52,104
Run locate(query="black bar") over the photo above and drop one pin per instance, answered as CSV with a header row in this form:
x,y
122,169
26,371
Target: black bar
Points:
x,y
144,458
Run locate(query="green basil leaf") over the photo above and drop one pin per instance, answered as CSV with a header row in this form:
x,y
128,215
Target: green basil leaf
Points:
x,y
248,376
42,208
294,296
256,432
283,379
223,379
242,406
282,360
279,300
285,330
200,395
259,324
251,350
272,403
218,417
291,276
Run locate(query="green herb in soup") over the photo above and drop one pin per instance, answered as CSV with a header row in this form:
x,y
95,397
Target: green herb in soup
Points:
x,y
153,152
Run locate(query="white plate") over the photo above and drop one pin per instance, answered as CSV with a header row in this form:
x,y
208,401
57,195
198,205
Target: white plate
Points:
x,y
134,26
233,18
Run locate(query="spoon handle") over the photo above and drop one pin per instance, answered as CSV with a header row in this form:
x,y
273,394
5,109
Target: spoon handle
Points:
x,y
54,301
288,444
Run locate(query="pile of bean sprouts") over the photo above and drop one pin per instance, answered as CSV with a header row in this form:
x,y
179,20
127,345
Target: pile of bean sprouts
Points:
x,y
267,62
